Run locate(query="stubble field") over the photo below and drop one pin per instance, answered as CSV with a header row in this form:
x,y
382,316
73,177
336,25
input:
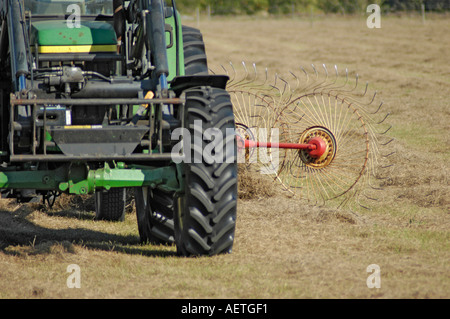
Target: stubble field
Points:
x,y
283,248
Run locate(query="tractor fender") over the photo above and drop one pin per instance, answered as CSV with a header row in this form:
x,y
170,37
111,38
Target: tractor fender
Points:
x,y
181,83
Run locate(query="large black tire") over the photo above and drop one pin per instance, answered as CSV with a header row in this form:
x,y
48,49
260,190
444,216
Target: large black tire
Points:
x,y
154,211
110,204
195,60
205,211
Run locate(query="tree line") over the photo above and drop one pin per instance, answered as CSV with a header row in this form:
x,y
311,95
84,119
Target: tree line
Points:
x,y
223,7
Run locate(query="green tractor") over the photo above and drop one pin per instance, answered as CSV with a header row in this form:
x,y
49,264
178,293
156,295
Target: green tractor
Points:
x,y
101,96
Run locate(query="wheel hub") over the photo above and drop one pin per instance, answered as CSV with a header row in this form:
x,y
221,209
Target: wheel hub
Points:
x,y
244,133
325,150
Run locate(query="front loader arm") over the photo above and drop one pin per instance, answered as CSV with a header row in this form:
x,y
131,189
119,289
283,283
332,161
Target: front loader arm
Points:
x,y
17,36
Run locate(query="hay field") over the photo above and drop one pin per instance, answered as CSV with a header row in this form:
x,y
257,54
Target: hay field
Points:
x,y
283,248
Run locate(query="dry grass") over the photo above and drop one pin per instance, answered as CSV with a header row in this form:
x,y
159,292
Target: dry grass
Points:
x,y
283,248
253,185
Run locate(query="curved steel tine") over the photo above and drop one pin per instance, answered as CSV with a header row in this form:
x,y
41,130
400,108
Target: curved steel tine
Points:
x,y
266,85
296,80
357,81
356,84
386,130
247,75
314,68
337,77
287,87
336,73
225,69
315,71
280,92
255,83
241,80
326,77
306,74
370,198
256,76
387,143
331,84
245,68
299,88
390,154
379,108
387,115
377,188
342,203
366,104
234,72
350,90
365,207
367,87
255,70
373,98
313,84
267,76
326,71
304,71
322,85
245,71
275,81
335,89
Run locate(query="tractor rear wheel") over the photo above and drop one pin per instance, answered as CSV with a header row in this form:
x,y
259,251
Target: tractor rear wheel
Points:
x,y
195,60
110,204
154,211
205,210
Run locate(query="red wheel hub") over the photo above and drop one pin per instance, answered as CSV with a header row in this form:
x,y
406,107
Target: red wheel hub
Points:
x,y
320,149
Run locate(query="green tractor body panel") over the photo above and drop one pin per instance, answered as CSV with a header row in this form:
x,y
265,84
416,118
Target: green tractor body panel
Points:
x,y
172,41
57,33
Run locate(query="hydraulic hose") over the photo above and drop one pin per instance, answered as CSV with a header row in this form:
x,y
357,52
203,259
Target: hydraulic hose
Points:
x,y
157,35
19,61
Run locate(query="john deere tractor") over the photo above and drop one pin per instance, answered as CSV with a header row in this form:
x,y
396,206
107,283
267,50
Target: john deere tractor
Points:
x,y
101,96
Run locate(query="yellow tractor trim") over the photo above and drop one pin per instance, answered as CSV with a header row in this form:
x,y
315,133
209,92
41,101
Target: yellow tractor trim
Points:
x,y
77,48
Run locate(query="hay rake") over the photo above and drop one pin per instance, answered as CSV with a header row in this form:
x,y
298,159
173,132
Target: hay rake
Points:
x,y
318,135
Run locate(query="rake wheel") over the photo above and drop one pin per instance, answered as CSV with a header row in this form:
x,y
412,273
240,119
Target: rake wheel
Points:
x,y
341,127
330,133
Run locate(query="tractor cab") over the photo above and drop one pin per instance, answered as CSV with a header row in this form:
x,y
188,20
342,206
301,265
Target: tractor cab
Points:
x,y
63,7
82,35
